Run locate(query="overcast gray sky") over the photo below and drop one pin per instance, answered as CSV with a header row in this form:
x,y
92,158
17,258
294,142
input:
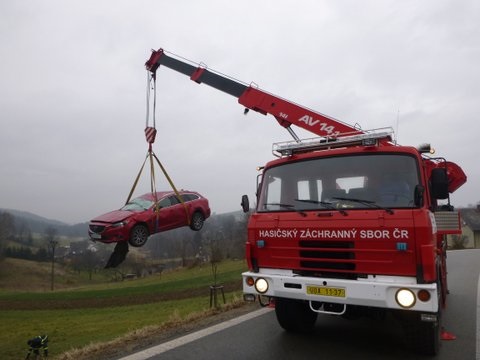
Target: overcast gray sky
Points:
x,y
73,87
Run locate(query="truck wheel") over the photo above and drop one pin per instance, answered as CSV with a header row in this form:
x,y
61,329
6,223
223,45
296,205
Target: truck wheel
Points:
x,y
138,236
295,315
423,337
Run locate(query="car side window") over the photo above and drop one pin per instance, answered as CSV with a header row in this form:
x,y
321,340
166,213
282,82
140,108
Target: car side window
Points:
x,y
173,200
164,202
189,197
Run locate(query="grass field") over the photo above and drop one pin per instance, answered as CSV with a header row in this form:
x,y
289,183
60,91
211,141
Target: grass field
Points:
x,y
86,315
24,275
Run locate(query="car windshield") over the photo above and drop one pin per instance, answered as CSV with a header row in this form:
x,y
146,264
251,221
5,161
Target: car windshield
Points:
x,y
364,181
138,204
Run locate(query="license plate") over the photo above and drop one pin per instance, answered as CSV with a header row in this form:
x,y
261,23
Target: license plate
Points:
x,y
326,291
96,236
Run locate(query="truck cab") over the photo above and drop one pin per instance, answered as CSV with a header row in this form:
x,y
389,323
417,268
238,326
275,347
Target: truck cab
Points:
x,y
348,226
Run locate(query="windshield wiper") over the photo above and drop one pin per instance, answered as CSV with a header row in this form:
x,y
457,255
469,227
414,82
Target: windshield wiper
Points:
x,y
286,206
369,203
328,205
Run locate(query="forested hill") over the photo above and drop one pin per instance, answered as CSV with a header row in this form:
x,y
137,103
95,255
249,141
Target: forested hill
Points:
x,y
24,222
39,224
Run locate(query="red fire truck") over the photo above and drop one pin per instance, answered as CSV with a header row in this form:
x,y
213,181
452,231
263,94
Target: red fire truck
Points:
x,y
348,223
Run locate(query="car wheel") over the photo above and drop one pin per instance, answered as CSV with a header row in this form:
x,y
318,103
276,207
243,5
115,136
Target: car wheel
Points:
x,y
197,221
138,236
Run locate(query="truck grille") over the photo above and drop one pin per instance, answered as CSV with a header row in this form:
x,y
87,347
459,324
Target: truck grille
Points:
x,y
448,222
331,258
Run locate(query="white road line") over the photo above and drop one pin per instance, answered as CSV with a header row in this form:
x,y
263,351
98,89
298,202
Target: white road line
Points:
x,y
159,349
478,320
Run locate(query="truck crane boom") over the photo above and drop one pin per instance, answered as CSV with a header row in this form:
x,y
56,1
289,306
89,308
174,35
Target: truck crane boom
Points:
x,y
286,113
253,98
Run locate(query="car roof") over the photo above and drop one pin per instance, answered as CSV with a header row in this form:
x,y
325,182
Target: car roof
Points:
x,y
162,194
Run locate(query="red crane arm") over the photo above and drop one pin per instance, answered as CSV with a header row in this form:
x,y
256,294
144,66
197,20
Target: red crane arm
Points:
x,y
284,111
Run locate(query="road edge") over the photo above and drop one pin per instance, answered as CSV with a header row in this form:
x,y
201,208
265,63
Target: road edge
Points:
x,y
477,355
159,349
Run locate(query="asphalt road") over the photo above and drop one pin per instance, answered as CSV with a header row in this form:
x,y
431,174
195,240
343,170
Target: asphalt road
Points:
x,y
258,336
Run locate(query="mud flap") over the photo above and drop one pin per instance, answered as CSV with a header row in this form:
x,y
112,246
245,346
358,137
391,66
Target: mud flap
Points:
x,y
118,256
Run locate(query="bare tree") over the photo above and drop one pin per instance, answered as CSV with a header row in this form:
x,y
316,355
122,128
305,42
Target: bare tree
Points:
x,y
7,229
24,234
459,242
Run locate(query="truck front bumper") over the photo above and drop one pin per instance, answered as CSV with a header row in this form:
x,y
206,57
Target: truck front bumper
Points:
x,y
390,292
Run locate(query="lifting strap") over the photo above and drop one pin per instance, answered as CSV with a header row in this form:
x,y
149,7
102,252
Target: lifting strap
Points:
x,y
151,155
121,249
150,134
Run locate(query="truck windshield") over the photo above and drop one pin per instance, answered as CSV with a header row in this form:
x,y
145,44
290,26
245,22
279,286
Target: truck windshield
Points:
x,y
342,182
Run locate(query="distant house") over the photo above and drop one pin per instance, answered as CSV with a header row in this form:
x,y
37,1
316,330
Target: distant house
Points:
x,y
470,218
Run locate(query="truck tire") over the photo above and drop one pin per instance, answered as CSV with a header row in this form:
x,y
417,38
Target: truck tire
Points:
x,y
295,315
423,337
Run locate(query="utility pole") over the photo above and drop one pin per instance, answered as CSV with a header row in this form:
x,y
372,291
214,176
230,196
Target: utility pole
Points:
x,y
53,244
50,234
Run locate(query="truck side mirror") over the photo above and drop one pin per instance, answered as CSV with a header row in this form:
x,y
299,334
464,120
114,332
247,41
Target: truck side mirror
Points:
x,y
245,204
418,195
439,182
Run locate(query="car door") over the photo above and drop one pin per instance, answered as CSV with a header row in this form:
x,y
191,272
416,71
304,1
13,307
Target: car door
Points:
x,y
164,220
172,213
178,211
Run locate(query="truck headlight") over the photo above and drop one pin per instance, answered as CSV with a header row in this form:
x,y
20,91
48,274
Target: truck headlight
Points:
x,y
405,298
261,285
